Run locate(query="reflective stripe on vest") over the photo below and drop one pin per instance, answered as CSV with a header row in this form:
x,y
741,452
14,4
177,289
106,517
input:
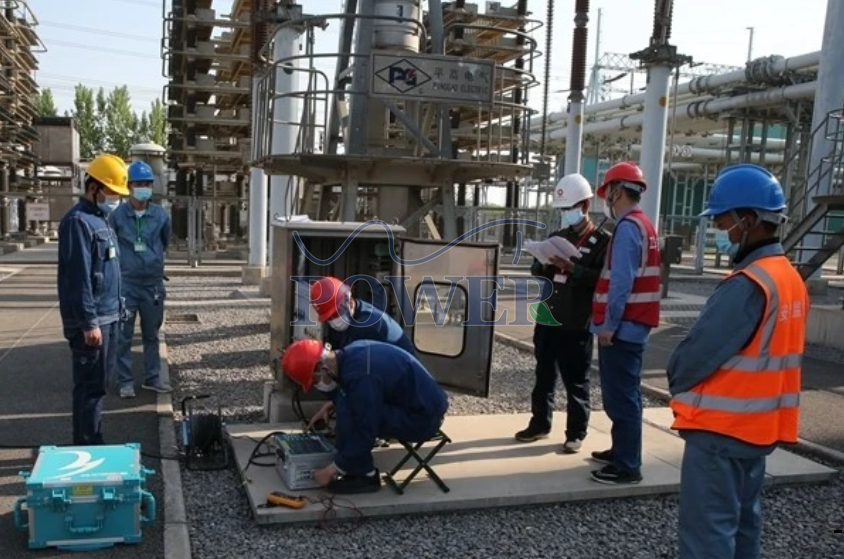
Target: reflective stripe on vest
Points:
x,y
764,378
635,298
646,272
764,364
739,405
643,303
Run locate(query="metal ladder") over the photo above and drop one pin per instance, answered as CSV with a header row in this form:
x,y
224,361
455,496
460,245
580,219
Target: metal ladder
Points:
x,y
828,209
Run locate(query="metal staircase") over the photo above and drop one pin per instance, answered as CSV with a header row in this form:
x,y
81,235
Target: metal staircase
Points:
x,y
818,211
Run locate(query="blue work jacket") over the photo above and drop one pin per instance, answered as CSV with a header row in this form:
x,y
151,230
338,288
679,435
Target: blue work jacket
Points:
x,y
380,328
89,269
143,243
379,382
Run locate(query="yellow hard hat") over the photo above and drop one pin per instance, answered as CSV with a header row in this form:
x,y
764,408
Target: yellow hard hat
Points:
x,y
111,171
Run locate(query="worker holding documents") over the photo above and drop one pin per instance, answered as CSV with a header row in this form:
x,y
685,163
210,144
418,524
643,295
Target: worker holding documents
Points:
x,y
572,258
625,309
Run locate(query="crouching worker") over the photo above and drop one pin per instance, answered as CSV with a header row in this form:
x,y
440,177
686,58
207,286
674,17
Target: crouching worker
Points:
x,y
350,319
377,390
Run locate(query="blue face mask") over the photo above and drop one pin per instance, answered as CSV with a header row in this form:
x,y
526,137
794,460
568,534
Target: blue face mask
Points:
x,y
109,205
142,193
571,217
724,244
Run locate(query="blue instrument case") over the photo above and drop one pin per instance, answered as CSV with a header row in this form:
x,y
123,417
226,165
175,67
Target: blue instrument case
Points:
x,y
85,497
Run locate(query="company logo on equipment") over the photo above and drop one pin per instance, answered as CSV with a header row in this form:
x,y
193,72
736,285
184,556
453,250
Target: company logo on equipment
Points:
x,y
403,76
82,464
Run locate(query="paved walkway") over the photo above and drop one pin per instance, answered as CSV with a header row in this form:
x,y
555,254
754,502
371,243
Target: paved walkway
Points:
x,y
822,397
35,399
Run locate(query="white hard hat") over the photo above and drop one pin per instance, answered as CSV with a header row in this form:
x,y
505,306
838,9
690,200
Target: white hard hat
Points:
x,y
572,189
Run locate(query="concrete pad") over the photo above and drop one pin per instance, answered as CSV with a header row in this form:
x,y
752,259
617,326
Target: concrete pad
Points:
x,y
782,466
484,467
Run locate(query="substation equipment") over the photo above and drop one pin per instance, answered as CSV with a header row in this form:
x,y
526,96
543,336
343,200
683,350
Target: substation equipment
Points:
x,y
413,107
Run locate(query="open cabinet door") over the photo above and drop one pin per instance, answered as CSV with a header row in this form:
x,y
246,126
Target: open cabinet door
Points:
x,y
458,355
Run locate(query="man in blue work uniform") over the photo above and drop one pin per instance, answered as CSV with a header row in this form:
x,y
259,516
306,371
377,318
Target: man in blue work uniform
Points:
x,y
377,391
90,292
351,319
624,310
735,379
143,232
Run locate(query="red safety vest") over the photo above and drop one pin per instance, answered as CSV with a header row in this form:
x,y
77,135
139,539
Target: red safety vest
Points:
x,y
755,395
643,304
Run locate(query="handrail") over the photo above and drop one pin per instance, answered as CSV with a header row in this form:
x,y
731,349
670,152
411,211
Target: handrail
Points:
x,y
318,20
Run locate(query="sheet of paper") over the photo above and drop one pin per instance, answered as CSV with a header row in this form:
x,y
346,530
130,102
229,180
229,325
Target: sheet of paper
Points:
x,y
555,246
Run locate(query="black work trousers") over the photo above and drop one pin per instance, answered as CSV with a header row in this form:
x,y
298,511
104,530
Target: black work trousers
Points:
x,y
570,353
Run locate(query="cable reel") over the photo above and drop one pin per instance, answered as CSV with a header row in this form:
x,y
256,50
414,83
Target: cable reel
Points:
x,y
202,435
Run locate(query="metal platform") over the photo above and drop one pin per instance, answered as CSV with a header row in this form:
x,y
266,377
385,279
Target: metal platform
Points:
x,y
486,468
387,170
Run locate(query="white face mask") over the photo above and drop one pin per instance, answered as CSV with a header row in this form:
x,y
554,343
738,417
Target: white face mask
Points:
x,y
326,383
338,324
326,386
571,217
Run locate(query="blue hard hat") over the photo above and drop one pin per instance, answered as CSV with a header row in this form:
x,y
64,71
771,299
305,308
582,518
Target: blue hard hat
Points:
x,y
140,172
745,186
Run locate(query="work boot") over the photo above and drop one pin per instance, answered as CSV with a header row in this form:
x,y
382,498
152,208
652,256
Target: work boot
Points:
x,y
531,434
159,387
353,485
603,456
611,475
572,446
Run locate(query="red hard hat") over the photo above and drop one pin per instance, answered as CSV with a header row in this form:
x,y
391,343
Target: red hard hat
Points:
x,y
626,172
300,360
327,294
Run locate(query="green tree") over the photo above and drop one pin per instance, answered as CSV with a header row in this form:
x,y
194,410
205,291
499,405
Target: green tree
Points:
x,y
107,122
121,122
45,104
158,123
86,121
102,141
143,132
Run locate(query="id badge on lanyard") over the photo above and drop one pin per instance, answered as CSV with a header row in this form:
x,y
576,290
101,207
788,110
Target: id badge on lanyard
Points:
x,y
140,245
563,278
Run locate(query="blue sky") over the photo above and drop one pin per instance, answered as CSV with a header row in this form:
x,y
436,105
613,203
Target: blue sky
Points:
x,y
711,31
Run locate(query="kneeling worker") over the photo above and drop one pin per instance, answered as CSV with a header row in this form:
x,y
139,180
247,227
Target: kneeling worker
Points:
x,y
332,300
377,391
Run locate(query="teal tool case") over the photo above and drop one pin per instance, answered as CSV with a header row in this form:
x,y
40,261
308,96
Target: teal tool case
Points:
x,y
85,497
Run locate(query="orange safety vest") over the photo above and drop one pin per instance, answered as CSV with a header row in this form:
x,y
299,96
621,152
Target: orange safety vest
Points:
x,y
755,395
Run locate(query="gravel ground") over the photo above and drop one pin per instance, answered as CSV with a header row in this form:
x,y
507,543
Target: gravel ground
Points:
x,y
226,354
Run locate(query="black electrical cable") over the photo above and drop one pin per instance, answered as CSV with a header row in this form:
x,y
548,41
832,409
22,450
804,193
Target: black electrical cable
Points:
x,y
296,404
255,453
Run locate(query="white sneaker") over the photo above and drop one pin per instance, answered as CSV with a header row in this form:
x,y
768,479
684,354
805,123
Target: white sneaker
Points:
x,y
572,446
127,392
160,387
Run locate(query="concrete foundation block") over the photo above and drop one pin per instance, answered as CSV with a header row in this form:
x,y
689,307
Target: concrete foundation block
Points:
x,y
824,326
817,286
252,275
266,289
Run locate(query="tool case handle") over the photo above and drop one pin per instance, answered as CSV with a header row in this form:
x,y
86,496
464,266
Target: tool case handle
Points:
x,y
21,516
84,530
149,503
